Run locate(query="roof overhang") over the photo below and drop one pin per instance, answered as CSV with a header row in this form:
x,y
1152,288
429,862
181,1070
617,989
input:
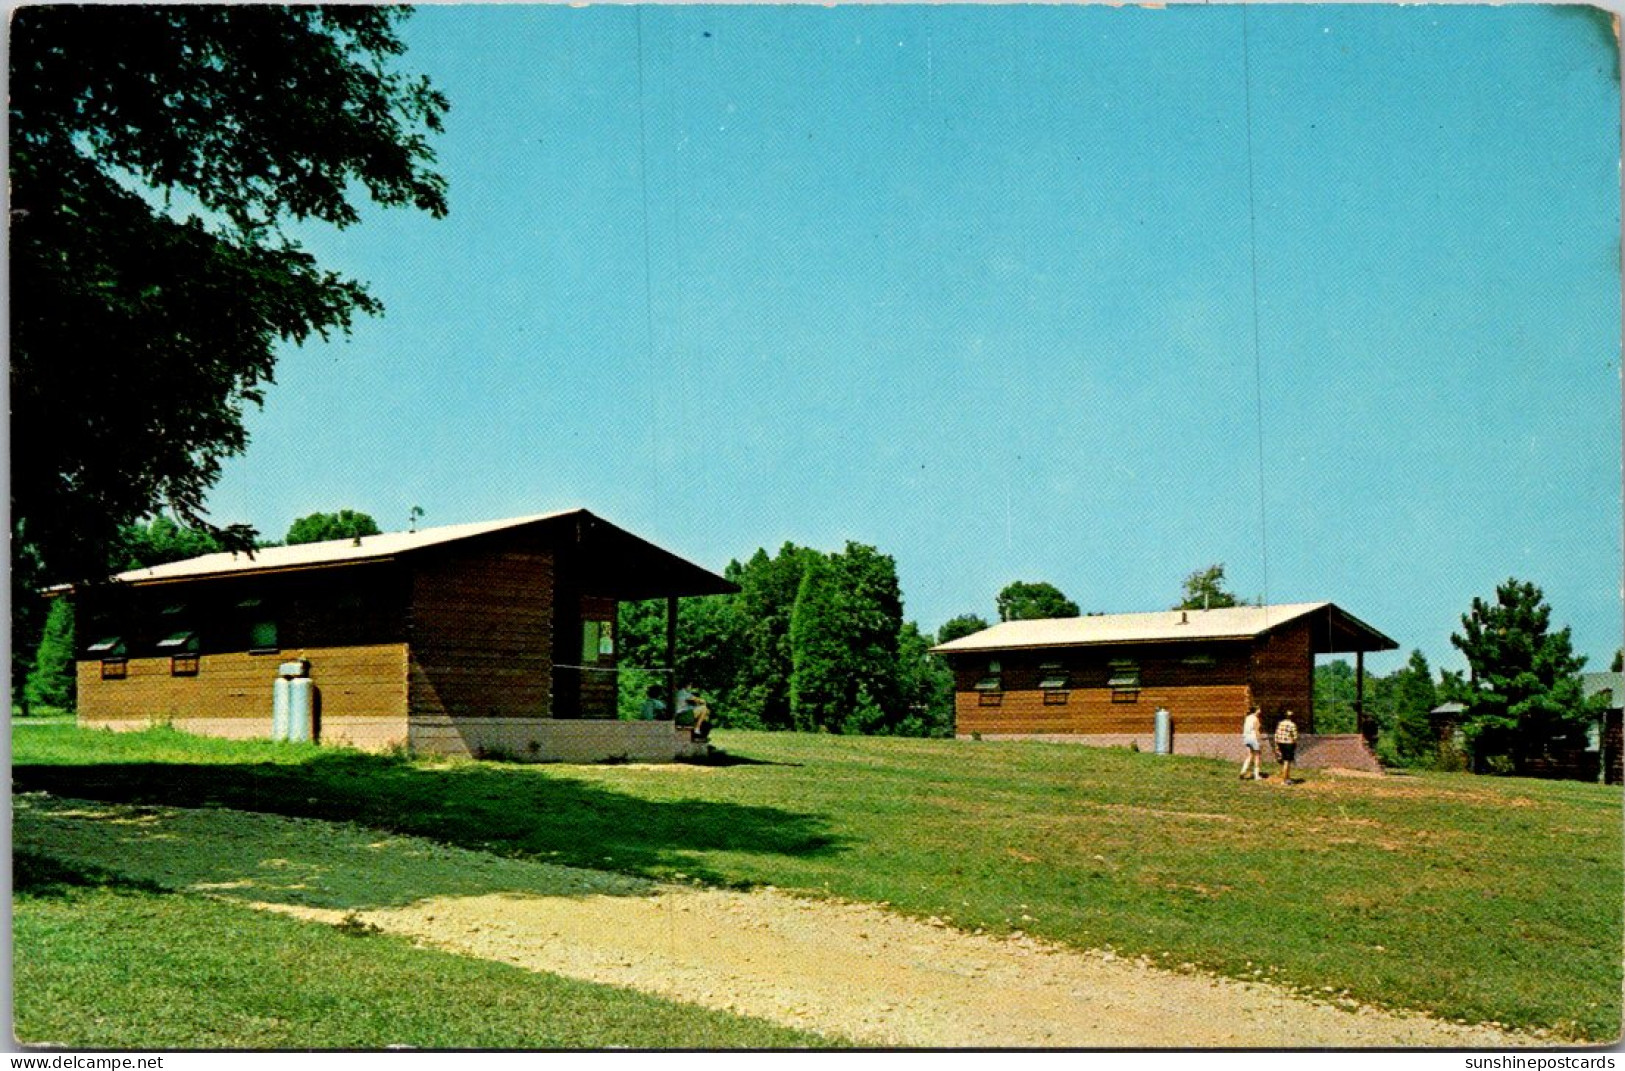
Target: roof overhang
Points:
x,y
1331,630
1334,630
608,559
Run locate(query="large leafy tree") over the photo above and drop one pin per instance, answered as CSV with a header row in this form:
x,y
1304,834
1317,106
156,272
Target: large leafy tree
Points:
x,y
158,155
962,625
1023,600
1525,693
1205,590
320,527
160,540
925,686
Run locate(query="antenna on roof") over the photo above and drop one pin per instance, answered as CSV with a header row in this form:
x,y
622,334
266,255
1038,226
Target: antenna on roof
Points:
x,y
412,518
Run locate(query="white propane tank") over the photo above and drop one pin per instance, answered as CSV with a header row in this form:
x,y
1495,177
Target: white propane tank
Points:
x,y
1164,731
279,709
301,696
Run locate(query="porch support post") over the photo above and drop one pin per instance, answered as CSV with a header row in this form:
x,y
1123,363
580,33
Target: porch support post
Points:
x,y
671,656
1359,694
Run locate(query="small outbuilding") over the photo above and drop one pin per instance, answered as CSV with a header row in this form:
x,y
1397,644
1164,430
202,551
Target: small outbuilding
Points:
x,y
1606,737
495,638
1100,679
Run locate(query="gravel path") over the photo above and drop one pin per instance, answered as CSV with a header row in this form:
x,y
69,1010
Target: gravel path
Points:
x,y
848,970
859,972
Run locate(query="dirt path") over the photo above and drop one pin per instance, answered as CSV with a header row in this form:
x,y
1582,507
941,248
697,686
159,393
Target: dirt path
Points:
x,y
849,970
858,972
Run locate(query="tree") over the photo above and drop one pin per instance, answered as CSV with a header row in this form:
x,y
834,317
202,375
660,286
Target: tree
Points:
x,y
710,648
1024,601
51,682
1524,692
320,527
1205,590
157,155
963,625
925,686
1411,738
844,643
767,597
160,540
1335,693
1618,664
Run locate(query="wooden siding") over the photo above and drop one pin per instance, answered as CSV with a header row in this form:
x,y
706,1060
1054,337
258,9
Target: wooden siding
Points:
x,y
1282,675
481,635
352,682
349,623
1203,686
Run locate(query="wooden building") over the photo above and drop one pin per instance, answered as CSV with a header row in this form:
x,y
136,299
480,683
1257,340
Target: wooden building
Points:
x,y
1100,679
1608,735
480,639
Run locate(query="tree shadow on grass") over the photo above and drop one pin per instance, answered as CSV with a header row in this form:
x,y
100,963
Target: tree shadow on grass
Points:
x,y
40,876
267,858
528,812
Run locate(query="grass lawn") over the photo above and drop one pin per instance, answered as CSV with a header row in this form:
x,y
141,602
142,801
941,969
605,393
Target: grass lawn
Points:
x,y
102,962
1475,898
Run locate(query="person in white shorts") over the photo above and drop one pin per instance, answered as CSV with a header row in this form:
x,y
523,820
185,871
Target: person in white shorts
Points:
x,y
1250,741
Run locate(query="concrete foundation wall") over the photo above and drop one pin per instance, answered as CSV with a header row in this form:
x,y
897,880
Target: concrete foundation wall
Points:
x,y
1314,752
522,739
368,734
553,740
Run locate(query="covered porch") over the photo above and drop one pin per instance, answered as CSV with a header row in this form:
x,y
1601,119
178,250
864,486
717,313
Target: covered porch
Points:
x,y
595,571
1333,630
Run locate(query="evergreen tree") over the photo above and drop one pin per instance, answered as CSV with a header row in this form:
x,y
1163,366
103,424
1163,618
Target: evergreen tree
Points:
x,y
1525,690
1412,739
844,643
1022,600
51,682
821,689
766,600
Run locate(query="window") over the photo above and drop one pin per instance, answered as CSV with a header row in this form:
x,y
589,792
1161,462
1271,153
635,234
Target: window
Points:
x,y
110,650
1051,677
259,626
262,637
993,681
182,649
1124,680
183,642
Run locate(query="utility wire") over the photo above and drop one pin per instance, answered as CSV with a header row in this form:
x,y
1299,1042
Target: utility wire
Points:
x,y
1258,359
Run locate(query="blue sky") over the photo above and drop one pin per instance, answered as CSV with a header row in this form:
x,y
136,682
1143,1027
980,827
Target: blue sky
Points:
x,y
975,285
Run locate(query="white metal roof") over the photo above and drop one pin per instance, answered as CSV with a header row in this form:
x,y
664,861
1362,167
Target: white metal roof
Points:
x,y
1229,623
330,552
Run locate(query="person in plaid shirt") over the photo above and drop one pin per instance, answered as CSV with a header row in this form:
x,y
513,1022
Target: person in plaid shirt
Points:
x,y
1286,744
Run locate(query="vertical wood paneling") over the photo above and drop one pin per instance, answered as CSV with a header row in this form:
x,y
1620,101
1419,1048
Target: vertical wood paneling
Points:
x,y
481,635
